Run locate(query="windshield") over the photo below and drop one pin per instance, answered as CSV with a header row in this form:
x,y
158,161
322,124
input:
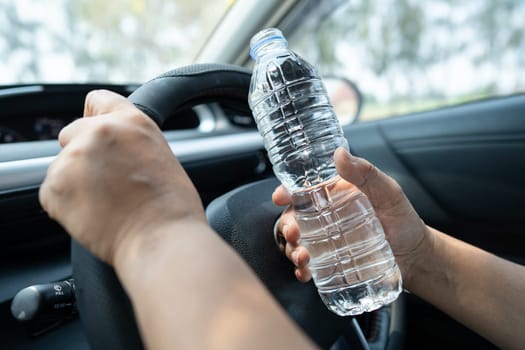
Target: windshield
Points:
x,y
127,41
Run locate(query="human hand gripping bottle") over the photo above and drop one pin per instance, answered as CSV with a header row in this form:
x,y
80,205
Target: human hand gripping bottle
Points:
x,y
351,262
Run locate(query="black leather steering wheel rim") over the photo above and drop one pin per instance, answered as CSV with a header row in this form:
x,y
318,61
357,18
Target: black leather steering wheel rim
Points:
x,y
244,218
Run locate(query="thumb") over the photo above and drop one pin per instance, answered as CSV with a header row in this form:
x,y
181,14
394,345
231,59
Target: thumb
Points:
x,y
281,196
103,101
381,189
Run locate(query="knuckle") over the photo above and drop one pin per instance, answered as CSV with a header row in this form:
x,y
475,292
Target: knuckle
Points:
x,y
292,236
104,130
140,119
283,222
54,187
47,195
102,101
370,171
43,196
303,255
305,252
74,152
396,188
91,99
287,224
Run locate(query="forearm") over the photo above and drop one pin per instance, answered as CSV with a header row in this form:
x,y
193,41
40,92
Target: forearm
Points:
x,y
480,290
190,290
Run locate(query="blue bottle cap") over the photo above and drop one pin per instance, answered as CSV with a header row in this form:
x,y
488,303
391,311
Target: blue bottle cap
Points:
x,y
263,37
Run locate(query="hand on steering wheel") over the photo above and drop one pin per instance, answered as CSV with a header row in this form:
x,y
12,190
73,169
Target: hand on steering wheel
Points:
x,y
107,160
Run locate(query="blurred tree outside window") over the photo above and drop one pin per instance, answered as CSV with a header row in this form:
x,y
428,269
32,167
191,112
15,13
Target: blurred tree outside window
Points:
x,y
410,55
123,41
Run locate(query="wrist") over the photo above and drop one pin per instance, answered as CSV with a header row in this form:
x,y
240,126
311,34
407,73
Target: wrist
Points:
x,y
417,262
433,268
140,250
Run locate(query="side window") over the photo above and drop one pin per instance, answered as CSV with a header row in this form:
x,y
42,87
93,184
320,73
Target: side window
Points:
x,y
408,56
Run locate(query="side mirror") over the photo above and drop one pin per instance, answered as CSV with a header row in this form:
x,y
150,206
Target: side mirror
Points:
x,y
345,97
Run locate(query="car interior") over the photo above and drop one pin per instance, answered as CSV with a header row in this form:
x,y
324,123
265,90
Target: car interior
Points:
x,y
457,152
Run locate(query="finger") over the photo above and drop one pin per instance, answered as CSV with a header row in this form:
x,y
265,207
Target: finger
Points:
x,y
298,255
102,102
291,234
73,129
288,227
44,195
281,196
53,187
303,274
289,252
381,189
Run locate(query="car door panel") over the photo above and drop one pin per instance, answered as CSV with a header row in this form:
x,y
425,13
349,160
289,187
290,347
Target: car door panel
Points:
x,y
462,168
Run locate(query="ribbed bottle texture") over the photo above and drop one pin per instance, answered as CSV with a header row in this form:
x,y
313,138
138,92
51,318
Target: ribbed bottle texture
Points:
x,y
351,262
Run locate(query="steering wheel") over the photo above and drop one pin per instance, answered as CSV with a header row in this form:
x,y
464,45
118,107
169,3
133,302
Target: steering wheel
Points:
x,y
243,217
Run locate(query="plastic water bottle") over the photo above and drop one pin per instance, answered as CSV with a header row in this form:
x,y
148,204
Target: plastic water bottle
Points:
x,y
352,264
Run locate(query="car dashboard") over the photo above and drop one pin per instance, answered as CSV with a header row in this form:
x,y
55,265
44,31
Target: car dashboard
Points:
x,y
218,146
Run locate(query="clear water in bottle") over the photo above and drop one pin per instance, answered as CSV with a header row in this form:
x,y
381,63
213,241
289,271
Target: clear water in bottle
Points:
x,y
351,262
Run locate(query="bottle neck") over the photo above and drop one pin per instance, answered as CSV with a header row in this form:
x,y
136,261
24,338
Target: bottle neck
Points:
x,y
267,47
268,40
